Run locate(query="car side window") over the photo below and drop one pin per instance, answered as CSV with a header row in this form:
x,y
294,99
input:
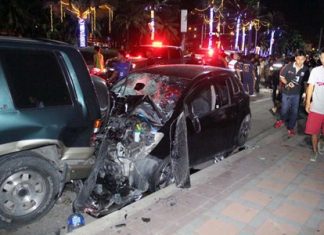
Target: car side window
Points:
x,y
35,78
200,102
235,85
222,93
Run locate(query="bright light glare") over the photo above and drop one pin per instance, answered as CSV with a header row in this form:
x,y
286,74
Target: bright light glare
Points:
x,y
157,44
210,52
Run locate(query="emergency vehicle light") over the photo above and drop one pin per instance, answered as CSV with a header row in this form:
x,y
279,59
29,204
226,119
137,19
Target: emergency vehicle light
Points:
x,y
157,44
210,52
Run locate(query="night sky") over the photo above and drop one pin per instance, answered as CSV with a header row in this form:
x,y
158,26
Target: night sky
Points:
x,y
306,16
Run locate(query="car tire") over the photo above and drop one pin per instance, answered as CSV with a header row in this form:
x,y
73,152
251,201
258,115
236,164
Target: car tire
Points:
x,y
29,186
162,176
243,132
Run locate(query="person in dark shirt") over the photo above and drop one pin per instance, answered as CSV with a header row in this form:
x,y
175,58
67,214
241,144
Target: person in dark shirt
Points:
x,y
248,75
292,77
122,67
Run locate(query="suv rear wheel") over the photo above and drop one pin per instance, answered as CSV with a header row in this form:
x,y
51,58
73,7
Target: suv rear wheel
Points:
x,y
29,185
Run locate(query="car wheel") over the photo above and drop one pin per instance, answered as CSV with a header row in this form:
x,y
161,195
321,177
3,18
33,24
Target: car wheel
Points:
x,y
29,186
244,130
163,175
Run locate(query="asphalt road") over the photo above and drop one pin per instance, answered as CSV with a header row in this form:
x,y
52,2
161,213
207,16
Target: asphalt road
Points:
x,y
55,221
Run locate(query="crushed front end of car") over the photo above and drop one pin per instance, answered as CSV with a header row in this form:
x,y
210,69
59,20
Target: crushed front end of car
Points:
x,y
125,169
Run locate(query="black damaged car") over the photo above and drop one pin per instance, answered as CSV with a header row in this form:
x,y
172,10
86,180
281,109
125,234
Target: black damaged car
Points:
x,y
163,121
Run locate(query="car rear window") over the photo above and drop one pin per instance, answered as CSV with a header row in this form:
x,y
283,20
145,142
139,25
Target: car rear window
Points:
x,y
35,78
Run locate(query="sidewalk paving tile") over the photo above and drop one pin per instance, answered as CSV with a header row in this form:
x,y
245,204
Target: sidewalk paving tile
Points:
x,y
258,197
293,213
212,227
313,184
240,212
273,185
308,198
271,227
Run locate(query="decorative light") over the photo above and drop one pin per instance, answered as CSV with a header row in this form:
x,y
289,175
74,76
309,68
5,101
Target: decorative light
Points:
x,y
271,41
82,36
243,38
51,16
211,17
152,25
237,32
75,10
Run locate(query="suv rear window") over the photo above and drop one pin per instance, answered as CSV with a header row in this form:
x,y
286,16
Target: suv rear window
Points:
x,y
35,78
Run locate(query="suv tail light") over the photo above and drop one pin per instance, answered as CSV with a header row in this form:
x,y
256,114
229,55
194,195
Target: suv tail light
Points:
x,y
96,126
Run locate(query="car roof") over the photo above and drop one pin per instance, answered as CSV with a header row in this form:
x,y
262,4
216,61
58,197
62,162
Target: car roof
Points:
x,y
39,41
187,71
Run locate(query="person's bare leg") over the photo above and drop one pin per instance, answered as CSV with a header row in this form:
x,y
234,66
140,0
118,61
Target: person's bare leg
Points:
x,y
315,143
315,148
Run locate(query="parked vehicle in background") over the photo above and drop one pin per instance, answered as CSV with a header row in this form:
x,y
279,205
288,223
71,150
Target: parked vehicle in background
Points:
x,y
207,56
50,113
164,120
154,54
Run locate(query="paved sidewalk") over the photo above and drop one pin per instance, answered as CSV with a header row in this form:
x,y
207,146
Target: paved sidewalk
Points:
x,y
269,188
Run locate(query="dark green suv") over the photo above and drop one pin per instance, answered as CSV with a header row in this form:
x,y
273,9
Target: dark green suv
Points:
x,y
50,109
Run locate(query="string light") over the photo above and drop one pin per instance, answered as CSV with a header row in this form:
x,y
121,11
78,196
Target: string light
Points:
x,y
51,17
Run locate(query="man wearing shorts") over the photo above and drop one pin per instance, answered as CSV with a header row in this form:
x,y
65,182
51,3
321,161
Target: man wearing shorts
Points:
x,y
315,105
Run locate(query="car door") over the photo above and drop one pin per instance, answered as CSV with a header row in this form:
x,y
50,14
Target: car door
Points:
x,y
43,106
207,124
225,110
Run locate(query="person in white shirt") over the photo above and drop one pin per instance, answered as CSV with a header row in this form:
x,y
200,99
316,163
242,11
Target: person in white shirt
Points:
x,y
315,106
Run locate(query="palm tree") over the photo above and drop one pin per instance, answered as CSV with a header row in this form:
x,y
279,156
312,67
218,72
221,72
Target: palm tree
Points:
x,y
83,10
131,19
168,28
20,17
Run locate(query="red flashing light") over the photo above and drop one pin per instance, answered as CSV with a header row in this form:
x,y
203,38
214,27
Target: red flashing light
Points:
x,y
157,44
211,52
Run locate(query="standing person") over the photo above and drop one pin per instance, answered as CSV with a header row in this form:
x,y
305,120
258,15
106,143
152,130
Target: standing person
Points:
x,y
234,65
98,59
275,68
315,105
122,67
248,76
292,77
256,63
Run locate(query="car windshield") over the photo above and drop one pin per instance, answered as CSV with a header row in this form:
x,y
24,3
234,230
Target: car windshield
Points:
x,y
163,90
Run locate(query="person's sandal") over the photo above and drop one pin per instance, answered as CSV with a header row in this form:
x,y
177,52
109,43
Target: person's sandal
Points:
x,y
314,157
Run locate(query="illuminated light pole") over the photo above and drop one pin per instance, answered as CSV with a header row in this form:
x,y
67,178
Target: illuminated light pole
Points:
x,y
271,41
152,25
82,36
238,23
211,19
243,39
51,16
249,44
